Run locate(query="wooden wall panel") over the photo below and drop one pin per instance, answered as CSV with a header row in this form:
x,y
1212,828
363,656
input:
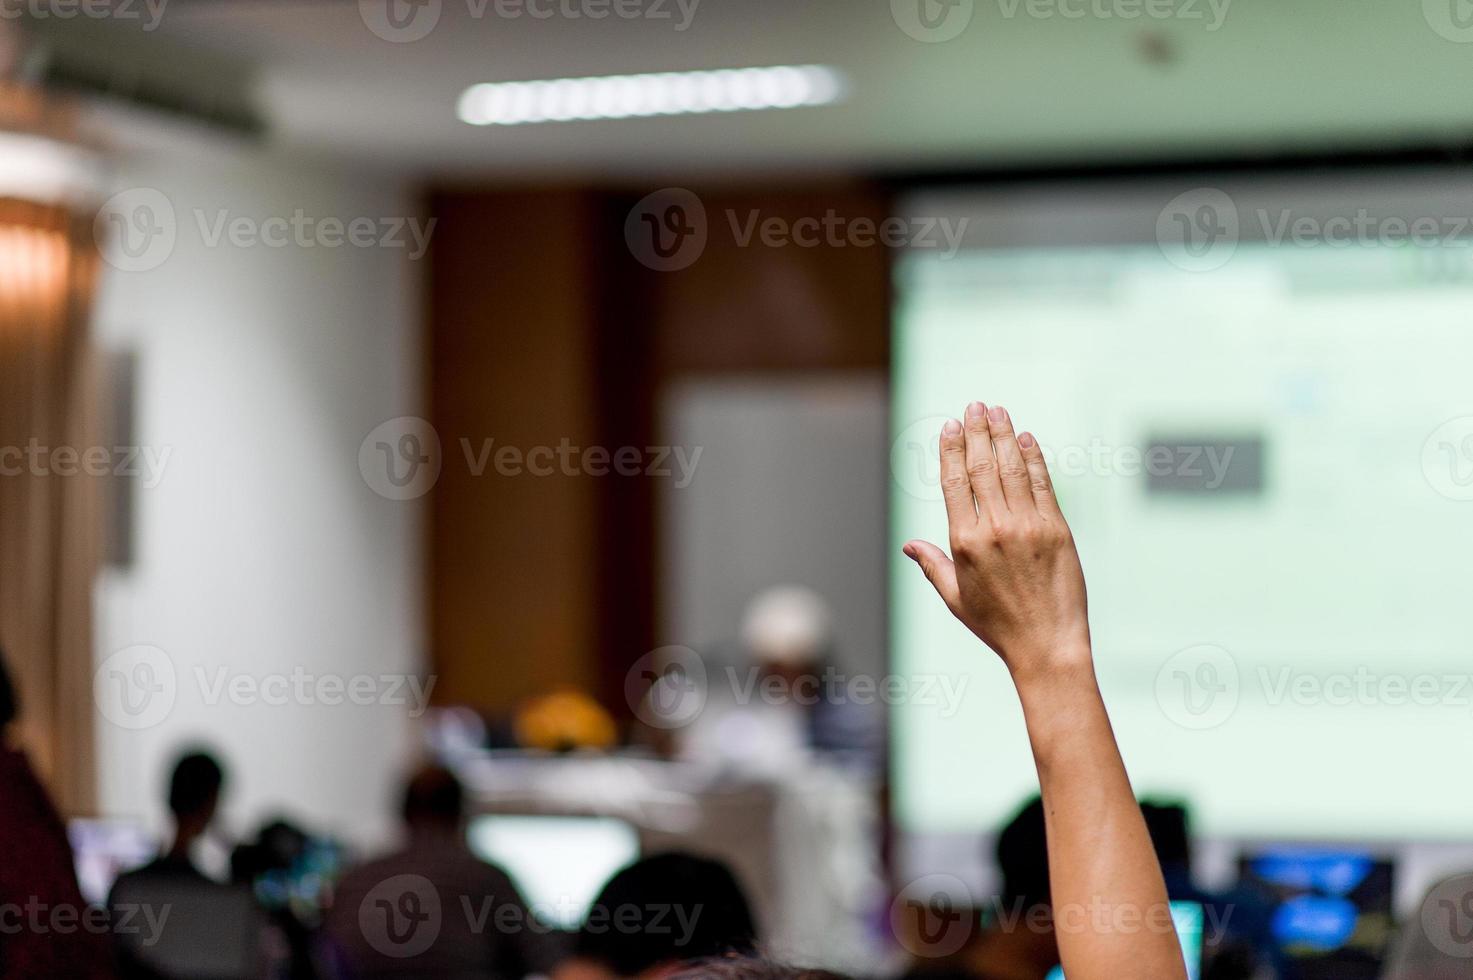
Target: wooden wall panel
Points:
x,y
512,580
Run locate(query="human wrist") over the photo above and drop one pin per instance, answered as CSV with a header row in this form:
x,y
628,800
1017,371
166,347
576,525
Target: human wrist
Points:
x,y
1052,669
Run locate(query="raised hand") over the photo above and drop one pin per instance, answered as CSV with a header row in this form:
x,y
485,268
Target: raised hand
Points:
x,y
1014,579
1014,576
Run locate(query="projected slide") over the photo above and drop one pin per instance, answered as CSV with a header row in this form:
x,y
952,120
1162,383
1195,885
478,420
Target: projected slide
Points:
x,y
1269,470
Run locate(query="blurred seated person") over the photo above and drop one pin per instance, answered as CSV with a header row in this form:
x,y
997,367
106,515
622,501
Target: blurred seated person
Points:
x,y
1436,941
180,915
1015,940
36,866
194,796
659,913
290,876
778,695
433,908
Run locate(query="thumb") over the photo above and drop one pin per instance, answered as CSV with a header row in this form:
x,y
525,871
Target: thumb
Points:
x,y
938,568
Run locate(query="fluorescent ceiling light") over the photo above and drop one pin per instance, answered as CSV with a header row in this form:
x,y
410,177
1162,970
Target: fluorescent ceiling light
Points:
x,y
662,94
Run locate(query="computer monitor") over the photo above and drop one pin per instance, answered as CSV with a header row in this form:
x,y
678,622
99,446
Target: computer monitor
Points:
x,y
559,862
104,849
1188,917
1331,908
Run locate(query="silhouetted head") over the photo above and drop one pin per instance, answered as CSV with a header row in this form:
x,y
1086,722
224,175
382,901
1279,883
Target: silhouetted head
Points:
x,y
1022,857
749,968
9,707
1167,825
194,793
433,801
664,910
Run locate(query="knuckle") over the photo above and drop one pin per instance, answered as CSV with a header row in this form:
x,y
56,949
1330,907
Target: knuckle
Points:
x,y
981,466
954,482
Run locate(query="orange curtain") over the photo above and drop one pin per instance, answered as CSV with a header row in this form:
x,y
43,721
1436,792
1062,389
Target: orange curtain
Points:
x,y
50,510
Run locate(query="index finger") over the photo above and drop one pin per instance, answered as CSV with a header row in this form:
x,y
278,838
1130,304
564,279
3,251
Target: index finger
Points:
x,y
956,486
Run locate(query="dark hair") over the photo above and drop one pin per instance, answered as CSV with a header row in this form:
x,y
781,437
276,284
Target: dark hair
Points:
x,y
433,794
1022,856
1168,825
701,912
9,707
195,784
749,968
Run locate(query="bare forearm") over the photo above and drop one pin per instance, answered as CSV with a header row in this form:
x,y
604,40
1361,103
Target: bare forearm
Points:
x,y
1110,907
1015,580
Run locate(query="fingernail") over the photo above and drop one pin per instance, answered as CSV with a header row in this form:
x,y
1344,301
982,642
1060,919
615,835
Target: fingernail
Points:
x,y
997,414
910,551
1026,440
952,427
976,410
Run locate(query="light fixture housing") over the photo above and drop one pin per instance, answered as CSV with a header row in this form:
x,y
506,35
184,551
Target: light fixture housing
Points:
x,y
658,94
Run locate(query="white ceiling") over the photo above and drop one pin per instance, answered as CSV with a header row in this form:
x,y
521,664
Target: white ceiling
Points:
x,y
1275,76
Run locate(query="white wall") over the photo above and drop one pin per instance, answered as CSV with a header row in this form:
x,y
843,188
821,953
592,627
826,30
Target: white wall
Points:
x,y
818,445
262,550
